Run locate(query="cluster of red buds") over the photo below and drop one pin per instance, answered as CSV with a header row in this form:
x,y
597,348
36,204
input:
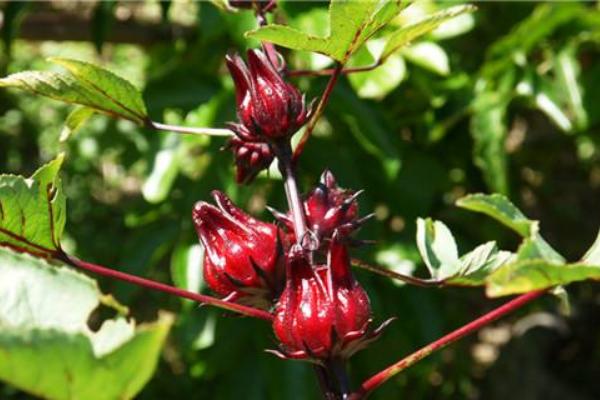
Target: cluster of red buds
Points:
x,y
328,209
320,311
269,110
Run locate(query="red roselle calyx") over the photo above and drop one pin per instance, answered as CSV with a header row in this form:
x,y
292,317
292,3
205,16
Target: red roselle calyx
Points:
x,y
267,106
328,209
250,158
323,312
242,254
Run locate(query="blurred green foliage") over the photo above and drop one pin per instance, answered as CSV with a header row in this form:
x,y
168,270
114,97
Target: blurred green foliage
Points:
x,y
504,100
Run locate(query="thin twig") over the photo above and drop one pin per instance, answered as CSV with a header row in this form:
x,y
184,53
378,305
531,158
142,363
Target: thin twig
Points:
x,y
396,275
190,130
331,71
381,377
150,284
318,111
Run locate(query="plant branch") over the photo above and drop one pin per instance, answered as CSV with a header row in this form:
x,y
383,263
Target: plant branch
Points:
x,y
318,111
161,287
283,152
396,275
381,377
331,71
189,130
325,383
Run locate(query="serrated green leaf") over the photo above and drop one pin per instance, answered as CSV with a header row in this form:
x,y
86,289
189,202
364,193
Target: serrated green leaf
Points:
x,y
476,265
437,248
75,120
504,211
536,274
33,211
84,84
407,34
536,248
501,209
46,346
351,23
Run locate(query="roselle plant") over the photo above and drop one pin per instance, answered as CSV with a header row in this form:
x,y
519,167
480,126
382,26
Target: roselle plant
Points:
x,y
294,272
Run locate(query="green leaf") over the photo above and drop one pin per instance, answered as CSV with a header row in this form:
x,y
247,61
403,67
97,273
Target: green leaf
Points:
x,y
430,56
504,211
437,248
186,267
46,346
488,129
568,74
407,34
33,211
536,274
439,252
501,209
536,248
84,84
164,171
380,81
476,265
351,23
75,120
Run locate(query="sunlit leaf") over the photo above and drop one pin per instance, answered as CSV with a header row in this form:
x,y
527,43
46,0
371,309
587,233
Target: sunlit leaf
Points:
x,y
46,346
476,265
504,211
351,23
409,33
75,121
84,84
535,274
501,209
437,247
33,210
430,56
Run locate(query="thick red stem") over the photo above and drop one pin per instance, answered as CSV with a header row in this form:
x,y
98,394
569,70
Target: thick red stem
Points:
x,y
378,379
161,287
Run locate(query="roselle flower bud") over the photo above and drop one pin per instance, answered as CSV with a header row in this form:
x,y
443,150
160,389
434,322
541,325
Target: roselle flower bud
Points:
x,y
250,157
328,209
242,254
267,106
323,312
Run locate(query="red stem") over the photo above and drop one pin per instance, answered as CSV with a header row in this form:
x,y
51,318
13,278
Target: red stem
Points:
x,y
331,71
161,287
318,111
381,377
396,275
